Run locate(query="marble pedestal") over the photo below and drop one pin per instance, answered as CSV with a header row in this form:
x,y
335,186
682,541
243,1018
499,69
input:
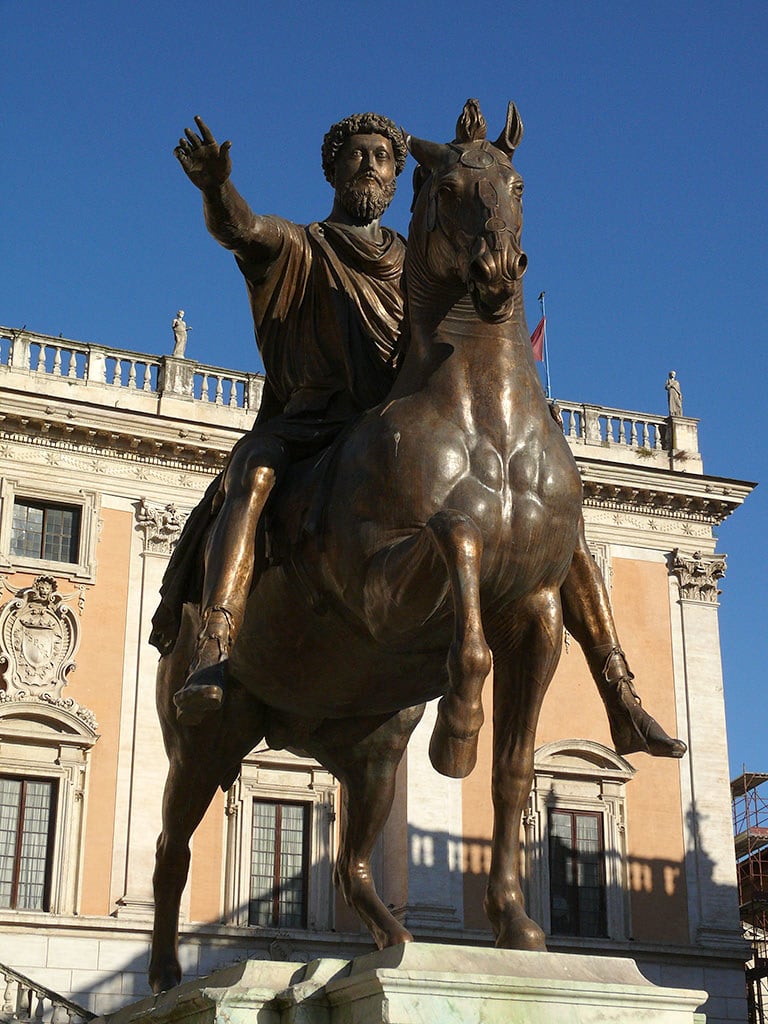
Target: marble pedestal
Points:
x,y
421,983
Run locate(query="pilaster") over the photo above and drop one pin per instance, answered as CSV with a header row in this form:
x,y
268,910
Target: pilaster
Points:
x,y
710,862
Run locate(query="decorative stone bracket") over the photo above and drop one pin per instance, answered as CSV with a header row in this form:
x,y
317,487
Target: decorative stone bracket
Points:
x,y
161,527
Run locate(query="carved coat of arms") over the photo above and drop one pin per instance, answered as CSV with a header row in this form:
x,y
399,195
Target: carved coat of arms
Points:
x,y
39,635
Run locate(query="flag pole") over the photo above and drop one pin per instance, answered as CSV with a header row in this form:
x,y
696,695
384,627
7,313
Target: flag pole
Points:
x,y
546,347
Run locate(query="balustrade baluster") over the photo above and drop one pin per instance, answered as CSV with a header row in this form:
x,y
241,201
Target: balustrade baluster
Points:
x,y
633,433
204,396
219,400
57,362
117,376
40,368
9,995
61,1015
132,374
72,369
40,1009
233,395
147,385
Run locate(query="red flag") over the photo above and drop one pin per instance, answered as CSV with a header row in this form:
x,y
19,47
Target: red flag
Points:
x,y
537,340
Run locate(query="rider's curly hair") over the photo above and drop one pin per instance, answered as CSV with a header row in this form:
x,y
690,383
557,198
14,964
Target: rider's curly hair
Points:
x,y
362,124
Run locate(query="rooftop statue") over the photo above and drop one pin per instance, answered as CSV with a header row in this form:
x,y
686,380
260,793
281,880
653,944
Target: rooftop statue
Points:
x,y
424,514
180,329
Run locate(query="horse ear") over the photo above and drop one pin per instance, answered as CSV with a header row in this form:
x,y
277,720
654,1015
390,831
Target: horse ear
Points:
x,y
428,154
510,138
471,126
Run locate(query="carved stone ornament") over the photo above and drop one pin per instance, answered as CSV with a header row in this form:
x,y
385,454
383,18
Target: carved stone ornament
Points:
x,y
39,635
84,714
698,575
161,526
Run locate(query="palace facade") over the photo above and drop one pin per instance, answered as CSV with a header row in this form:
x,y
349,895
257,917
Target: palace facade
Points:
x,y
103,453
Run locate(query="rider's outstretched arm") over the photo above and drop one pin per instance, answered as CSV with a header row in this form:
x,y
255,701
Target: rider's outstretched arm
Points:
x,y
228,216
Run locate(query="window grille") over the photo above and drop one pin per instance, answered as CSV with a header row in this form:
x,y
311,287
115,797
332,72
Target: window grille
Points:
x,y
577,873
279,864
44,530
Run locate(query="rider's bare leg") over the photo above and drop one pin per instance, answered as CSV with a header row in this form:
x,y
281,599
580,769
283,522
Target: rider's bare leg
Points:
x,y
588,617
229,563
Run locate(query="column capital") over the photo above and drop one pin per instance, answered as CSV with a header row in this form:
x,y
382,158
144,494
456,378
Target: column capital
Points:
x,y
698,574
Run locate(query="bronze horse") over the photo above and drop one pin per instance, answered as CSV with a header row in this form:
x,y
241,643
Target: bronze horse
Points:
x,y
445,526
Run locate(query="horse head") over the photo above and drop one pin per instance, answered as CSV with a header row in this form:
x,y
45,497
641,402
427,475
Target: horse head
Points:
x,y
468,212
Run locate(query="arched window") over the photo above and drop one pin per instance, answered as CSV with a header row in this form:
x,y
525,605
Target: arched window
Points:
x,y
575,849
45,745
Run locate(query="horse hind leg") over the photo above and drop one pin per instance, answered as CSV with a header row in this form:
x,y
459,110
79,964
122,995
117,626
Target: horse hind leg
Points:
x,y
526,648
366,769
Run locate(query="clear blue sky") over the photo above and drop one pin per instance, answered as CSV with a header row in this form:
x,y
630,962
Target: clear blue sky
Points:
x,y
645,157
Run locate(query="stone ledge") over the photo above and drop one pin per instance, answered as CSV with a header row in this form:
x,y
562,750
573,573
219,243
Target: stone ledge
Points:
x,y
422,983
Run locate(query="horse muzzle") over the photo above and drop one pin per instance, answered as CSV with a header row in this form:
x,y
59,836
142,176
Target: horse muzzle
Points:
x,y
492,276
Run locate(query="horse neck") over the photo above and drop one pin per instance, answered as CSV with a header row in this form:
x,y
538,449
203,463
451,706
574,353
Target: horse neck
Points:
x,y
443,321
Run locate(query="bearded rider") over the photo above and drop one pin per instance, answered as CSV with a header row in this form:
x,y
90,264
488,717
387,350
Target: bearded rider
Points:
x,y
327,308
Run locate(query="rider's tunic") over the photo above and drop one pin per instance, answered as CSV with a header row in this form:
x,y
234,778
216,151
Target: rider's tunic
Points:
x,y
327,312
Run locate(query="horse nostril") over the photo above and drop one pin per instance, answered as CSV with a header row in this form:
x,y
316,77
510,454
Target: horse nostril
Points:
x,y
519,266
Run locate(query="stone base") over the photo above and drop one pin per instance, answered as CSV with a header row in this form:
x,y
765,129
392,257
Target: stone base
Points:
x,y
420,983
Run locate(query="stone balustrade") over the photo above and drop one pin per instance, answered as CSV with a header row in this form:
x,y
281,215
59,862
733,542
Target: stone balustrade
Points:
x,y
619,434
26,1001
83,363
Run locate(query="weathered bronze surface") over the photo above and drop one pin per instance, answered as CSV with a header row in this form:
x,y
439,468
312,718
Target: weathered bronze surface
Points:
x,y
441,525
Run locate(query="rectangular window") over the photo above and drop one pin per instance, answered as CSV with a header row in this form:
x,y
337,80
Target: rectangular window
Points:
x,y
26,842
577,873
44,530
279,864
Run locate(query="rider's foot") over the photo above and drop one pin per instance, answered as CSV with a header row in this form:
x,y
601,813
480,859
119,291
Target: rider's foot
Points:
x,y
633,730
203,691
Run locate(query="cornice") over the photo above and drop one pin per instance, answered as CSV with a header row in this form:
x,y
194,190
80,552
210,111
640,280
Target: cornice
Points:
x,y
658,492
151,441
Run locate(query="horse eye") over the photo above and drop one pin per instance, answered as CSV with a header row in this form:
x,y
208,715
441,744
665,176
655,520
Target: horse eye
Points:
x,y
517,188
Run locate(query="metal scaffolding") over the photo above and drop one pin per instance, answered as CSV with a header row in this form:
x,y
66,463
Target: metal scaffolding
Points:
x,y
749,796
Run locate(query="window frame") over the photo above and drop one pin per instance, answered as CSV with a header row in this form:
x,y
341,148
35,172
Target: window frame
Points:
x,y
87,502
42,741
306,809
25,780
579,775
281,777
576,858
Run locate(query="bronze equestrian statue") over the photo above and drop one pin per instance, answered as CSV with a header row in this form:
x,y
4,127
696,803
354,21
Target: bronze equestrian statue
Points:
x,y
441,523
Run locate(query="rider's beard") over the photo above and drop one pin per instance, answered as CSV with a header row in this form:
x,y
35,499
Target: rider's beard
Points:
x,y
365,198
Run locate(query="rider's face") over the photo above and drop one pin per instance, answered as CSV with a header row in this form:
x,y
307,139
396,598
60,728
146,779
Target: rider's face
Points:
x,y
363,155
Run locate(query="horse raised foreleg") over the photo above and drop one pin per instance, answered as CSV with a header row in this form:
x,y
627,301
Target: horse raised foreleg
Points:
x,y
404,584
366,768
526,647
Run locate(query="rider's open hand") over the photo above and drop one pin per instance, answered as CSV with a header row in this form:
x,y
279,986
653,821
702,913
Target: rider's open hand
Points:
x,y
206,163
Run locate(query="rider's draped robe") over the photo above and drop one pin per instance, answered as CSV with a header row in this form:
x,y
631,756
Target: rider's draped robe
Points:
x,y
327,313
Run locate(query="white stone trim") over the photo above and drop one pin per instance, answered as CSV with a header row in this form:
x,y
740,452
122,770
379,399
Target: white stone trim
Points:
x,y
579,775
273,775
44,490
39,739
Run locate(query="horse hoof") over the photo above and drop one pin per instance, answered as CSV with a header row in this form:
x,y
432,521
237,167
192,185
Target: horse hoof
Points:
x,y
453,756
523,933
164,979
